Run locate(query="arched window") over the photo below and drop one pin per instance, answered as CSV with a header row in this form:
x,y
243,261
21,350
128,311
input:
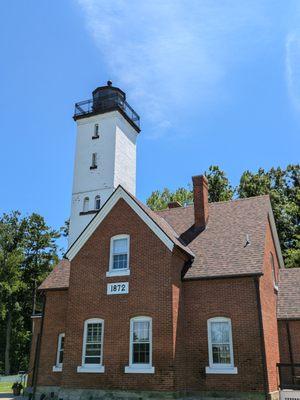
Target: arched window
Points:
x,y
140,351
273,271
97,202
92,349
96,131
220,347
86,204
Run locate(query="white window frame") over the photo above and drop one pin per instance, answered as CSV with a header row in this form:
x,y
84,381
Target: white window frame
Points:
x,y
58,366
97,197
91,368
275,283
216,368
94,160
140,368
86,204
122,271
96,131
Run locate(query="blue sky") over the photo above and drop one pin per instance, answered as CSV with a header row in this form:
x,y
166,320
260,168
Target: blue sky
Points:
x,y
215,82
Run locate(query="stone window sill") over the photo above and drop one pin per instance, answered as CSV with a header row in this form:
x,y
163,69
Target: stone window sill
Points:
x,y
225,371
95,369
119,272
139,370
57,368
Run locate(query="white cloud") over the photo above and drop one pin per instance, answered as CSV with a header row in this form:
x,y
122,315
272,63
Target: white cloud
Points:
x,y
292,63
173,55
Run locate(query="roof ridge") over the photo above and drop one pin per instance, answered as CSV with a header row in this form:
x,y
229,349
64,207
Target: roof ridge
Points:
x,y
213,203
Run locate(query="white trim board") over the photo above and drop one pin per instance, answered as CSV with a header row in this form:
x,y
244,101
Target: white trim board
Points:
x,y
118,194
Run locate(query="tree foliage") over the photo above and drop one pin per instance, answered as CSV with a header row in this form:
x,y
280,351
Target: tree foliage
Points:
x,y
28,251
283,186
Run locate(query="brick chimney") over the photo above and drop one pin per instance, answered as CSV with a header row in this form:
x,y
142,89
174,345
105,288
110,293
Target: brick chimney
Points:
x,y
200,189
174,204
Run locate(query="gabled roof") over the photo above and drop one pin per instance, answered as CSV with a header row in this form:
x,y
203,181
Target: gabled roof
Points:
x,y
288,305
158,225
58,278
221,250
218,251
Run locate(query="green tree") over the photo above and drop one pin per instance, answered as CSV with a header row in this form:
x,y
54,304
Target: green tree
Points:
x,y
28,251
219,188
12,228
159,200
283,186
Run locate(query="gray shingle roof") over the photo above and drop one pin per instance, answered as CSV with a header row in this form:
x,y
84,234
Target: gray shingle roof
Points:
x,y
58,278
288,306
220,249
217,251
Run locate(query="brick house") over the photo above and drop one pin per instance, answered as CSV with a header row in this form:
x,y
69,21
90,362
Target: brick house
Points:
x,y
156,304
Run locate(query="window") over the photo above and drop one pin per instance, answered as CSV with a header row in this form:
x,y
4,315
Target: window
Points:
x,y
94,161
119,256
92,346
86,204
140,352
96,131
97,203
220,348
60,353
275,282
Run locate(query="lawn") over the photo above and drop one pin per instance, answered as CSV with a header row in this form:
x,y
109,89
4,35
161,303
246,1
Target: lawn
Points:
x,y
5,387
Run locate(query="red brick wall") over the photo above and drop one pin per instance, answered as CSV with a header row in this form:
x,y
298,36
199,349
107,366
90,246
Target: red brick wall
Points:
x,y
269,304
54,324
204,299
150,294
294,326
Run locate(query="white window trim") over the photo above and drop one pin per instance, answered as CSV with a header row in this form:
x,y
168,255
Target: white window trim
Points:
x,y
122,271
140,368
91,368
214,368
275,284
58,366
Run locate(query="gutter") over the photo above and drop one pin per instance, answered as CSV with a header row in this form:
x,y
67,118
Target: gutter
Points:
x,y
38,351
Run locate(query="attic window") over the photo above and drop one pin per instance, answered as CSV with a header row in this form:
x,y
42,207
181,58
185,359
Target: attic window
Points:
x,y
119,256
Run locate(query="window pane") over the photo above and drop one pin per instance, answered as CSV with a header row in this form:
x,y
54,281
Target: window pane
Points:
x,y
141,353
120,261
92,360
61,357
94,333
61,343
221,354
141,331
220,332
120,246
93,345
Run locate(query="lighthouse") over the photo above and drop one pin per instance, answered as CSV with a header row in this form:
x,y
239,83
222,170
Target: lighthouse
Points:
x,y
105,155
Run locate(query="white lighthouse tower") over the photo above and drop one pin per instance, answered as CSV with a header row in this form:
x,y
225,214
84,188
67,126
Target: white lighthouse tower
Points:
x,y
105,157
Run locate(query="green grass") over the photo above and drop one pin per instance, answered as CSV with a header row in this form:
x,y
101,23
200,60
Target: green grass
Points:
x,y
5,387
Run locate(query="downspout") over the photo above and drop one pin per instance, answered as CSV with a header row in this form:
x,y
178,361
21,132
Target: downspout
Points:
x,y
262,340
38,350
